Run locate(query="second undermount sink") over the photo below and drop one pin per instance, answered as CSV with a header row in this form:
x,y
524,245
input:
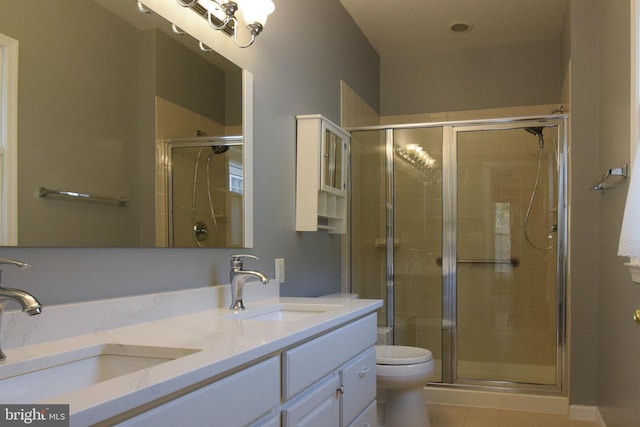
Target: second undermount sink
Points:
x,y
286,312
40,379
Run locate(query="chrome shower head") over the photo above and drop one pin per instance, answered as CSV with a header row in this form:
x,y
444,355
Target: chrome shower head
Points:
x,y
219,149
537,131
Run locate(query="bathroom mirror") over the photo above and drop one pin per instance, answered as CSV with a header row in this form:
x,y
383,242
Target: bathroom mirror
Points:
x,y
103,92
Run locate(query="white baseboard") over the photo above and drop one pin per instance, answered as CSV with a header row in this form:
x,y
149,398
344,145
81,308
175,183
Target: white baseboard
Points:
x,y
586,413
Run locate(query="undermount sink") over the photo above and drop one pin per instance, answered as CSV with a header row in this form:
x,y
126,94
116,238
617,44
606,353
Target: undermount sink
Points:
x,y
287,312
39,379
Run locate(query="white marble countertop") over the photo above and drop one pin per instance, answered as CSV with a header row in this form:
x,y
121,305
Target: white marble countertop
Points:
x,y
223,344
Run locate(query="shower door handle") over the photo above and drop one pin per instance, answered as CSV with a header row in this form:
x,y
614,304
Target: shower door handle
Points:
x,y
513,261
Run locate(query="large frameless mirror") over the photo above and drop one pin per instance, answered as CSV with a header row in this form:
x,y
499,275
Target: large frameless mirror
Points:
x,y
105,93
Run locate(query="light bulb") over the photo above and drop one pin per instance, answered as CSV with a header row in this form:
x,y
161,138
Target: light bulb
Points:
x,y
211,6
255,11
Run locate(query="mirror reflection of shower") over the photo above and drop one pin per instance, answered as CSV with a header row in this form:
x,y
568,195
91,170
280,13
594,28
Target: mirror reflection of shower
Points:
x,y
200,230
205,186
538,132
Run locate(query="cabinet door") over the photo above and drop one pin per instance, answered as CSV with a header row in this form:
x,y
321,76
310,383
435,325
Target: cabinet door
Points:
x,y
333,170
368,417
358,379
238,400
274,422
318,407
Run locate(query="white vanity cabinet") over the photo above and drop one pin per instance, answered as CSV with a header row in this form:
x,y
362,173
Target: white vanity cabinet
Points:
x,y
331,377
321,175
326,381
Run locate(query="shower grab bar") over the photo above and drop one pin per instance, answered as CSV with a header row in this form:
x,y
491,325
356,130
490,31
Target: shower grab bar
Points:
x,y
621,171
47,192
513,261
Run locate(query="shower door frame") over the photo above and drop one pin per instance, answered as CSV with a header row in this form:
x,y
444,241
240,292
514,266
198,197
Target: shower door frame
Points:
x,y
449,255
450,131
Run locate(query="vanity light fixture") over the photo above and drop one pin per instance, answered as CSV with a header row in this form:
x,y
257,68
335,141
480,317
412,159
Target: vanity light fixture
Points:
x,y
221,15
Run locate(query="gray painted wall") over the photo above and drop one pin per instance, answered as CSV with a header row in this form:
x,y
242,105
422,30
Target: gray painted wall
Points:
x,y
583,213
297,63
619,336
504,76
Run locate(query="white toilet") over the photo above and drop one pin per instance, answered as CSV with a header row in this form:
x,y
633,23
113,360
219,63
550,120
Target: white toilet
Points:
x,y
401,374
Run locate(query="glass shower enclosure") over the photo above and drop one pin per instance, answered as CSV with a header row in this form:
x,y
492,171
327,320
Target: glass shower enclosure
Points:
x,y
460,228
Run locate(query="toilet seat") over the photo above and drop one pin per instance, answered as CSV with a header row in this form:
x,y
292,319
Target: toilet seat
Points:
x,y
401,355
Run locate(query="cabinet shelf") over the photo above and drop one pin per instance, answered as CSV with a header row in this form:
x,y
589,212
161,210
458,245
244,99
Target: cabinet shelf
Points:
x,y
321,176
328,216
325,227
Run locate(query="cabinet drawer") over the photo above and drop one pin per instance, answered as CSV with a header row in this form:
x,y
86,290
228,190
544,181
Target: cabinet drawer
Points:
x,y
358,379
238,400
367,418
307,363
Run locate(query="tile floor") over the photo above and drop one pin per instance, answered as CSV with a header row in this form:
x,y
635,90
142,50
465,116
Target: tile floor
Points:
x,y
462,416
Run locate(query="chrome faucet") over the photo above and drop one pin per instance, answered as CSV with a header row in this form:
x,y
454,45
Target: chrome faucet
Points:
x,y
238,277
29,303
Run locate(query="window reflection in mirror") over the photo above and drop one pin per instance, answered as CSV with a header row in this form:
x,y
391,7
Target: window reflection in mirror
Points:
x,y
92,75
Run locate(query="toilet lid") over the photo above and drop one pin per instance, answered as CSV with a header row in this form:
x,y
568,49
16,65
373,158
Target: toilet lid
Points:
x,y
401,355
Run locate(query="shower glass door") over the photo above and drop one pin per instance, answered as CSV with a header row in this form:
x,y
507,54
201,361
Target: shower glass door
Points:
x,y
396,233
417,243
460,229
368,227
507,327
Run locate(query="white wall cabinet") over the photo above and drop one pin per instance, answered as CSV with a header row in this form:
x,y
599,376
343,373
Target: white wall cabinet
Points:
x,y
328,381
321,174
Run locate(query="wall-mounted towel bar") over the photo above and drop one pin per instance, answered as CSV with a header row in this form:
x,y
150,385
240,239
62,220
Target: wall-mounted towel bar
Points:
x,y
513,261
47,192
620,172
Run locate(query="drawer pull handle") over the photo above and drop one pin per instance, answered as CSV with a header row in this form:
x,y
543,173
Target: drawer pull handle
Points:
x,y
362,372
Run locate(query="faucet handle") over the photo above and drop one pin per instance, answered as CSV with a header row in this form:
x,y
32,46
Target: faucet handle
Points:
x,y
236,259
19,264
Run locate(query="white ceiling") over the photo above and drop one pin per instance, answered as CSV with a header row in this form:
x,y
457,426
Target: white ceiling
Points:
x,y
422,26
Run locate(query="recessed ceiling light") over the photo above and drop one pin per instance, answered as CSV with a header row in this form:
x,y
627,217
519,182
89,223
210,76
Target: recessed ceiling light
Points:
x,y
460,27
